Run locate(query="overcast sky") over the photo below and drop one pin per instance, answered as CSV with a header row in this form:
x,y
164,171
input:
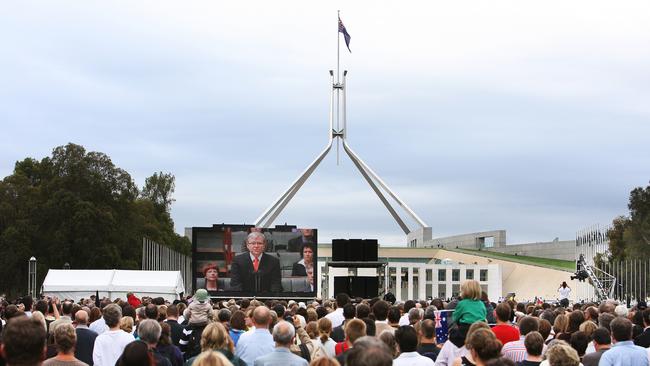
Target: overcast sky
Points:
x,y
527,116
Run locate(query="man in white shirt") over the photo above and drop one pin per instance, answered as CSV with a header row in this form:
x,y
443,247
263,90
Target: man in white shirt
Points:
x,y
336,316
407,340
110,344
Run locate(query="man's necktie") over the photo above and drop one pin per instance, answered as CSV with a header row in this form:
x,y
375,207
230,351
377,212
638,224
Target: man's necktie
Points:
x,y
256,264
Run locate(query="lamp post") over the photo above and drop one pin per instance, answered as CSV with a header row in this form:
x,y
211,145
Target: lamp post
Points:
x,y
31,279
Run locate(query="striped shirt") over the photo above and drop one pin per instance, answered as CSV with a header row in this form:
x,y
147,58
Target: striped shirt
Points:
x,y
516,350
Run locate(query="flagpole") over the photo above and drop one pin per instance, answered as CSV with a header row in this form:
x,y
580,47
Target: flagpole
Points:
x,y
338,99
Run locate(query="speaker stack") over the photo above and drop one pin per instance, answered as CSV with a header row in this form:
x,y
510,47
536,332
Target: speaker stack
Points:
x,y
356,253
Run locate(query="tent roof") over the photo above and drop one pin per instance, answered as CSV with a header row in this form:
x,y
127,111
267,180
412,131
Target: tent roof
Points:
x,y
91,280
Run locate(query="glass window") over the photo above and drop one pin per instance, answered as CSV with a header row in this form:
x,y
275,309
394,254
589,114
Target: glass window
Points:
x,y
455,275
442,275
455,290
484,288
469,274
442,291
429,275
484,274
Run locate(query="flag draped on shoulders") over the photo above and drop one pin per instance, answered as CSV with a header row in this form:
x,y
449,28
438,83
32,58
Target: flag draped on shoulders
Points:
x,y
346,35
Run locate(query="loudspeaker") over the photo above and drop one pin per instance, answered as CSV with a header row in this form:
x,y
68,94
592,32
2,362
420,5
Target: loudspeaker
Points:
x,y
358,287
356,250
339,250
372,287
370,250
341,284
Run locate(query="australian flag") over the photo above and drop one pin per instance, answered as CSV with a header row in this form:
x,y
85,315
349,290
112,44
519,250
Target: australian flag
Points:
x,y
346,35
442,325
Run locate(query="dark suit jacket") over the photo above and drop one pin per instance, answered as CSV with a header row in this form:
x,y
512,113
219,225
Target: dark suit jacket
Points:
x,y
295,244
85,345
298,270
338,333
242,276
643,339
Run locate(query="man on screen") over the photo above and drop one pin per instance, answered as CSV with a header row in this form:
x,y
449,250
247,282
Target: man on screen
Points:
x,y
255,271
306,237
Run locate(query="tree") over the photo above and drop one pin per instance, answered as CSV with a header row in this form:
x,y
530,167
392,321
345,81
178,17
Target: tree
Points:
x,y
629,237
77,207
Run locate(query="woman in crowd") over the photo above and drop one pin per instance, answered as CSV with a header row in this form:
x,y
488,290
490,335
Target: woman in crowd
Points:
x,y
211,274
166,348
211,358
560,325
215,338
127,324
65,339
136,354
237,325
324,341
388,338
561,354
454,353
483,346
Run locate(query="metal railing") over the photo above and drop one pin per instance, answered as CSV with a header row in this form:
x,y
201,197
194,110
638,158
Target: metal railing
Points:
x,y
156,257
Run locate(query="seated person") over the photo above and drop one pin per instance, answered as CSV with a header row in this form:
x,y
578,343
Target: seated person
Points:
x,y
211,274
306,237
305,266
255,271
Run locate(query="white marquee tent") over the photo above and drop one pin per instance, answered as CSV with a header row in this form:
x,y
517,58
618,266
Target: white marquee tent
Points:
x,y
113,283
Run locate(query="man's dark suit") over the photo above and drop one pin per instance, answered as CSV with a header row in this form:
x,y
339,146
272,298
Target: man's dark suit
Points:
x,y
243,277
296,244
85,345
298,270
643,339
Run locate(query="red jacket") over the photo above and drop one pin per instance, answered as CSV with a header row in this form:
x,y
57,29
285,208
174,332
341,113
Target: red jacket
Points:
x,y
134,301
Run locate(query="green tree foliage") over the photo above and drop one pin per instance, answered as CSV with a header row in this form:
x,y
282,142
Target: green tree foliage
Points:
x,y
629,237
77,207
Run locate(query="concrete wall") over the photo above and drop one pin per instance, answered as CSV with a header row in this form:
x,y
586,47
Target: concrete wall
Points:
x,y
468,241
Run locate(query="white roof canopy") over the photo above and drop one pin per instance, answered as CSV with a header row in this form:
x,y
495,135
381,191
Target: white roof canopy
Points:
x,y
112,283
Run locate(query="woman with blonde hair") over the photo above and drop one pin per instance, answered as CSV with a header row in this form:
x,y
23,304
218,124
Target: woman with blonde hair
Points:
x,y
324,341
560,324
126,324
210,358
464,352
215,337
561,354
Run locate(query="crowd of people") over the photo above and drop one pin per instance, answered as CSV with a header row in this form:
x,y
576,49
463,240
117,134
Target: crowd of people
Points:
x,y
201,331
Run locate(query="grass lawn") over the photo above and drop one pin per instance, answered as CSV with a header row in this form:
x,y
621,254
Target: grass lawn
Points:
x,y
536,261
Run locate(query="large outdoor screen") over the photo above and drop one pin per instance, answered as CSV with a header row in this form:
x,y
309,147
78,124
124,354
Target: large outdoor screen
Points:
x,y
245,261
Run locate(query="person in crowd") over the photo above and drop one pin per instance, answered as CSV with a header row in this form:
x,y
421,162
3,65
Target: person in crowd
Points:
x,y
483,346
211,358
255,271
470,309
215,338
623,352
415,316
223,316
23,342
258,342
133,300
336,316
516,350
602,342
211,275
85,338
534,343
563,294
176,328
560,325
38,316
604,320
166,348
408,305
380,310
65,340
97,323
407,341
127,324
504,330
545,329
367,351
199,312
283,336
389,340
393,318
306,237
237,326
427,343
149,331
489,309
561,354
576,317
324,361
579,341
136,354
349,312
354,329
643,339
66,316
324,341
110,344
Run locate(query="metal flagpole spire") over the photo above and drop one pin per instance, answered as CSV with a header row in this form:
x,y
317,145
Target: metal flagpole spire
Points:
x,y
338,63
381,189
